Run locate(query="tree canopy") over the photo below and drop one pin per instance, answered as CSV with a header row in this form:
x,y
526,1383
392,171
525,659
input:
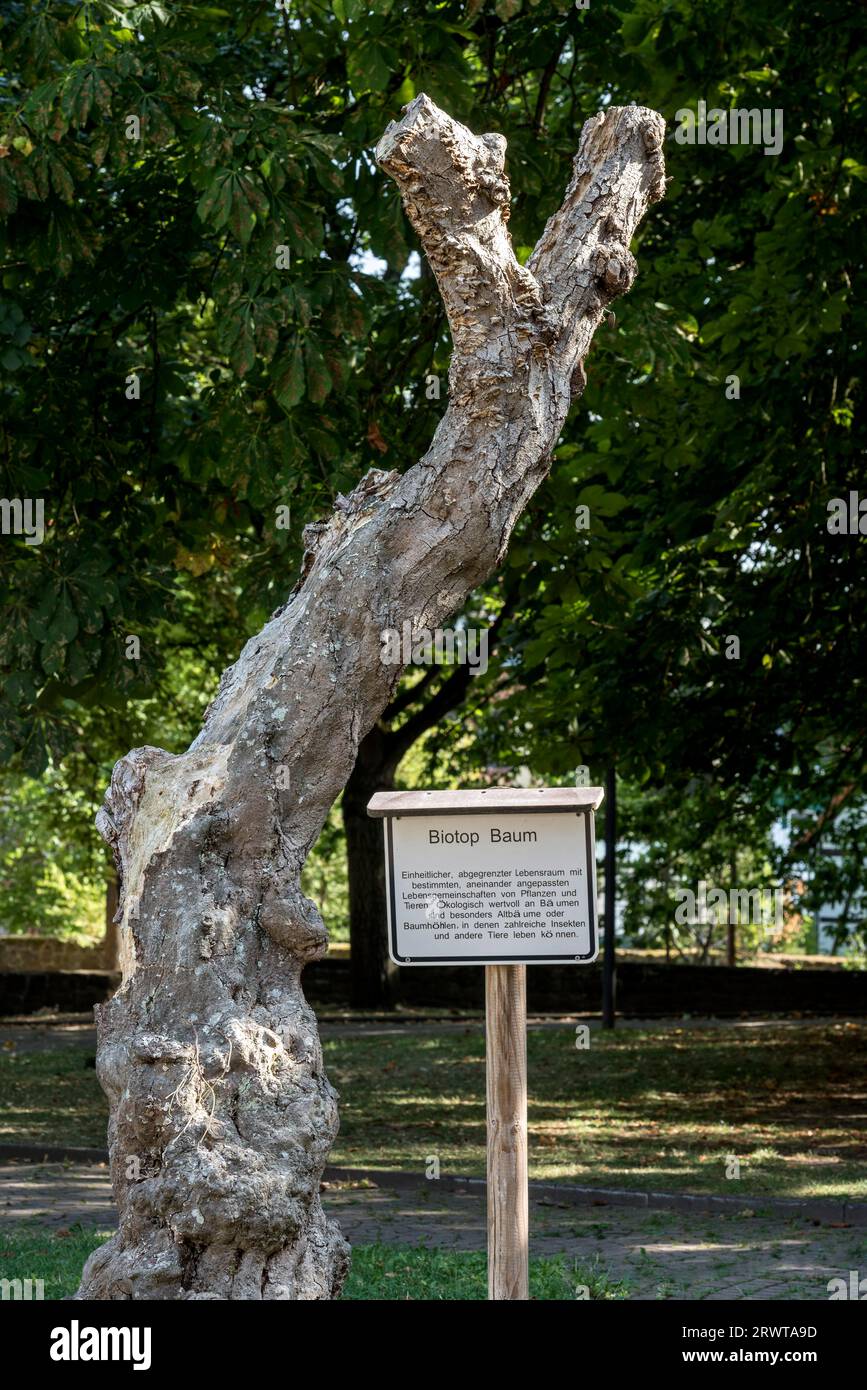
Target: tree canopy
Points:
x,y
214,320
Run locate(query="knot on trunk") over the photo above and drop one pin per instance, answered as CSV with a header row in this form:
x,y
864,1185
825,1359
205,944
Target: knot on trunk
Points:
x,y
154,1047
124,794
490,173
654,134
374,487
616,268
292,921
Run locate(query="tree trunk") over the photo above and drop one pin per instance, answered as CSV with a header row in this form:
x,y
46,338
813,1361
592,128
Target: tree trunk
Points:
x,y
732,931
221,1116
609,962
373,974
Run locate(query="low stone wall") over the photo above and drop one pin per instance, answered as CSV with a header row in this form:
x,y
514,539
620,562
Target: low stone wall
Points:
x,y
26,953
653,991
67,991
643,990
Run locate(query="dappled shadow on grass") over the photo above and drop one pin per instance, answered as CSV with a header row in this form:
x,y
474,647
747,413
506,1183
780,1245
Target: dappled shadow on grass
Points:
x,y
659,1108
51,1098
662,1109
380,1272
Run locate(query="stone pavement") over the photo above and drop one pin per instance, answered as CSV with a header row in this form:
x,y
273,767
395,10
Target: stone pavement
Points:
x,y
658,1254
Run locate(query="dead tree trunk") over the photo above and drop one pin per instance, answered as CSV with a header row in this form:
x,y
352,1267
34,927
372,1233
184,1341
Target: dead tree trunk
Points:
x,y
731,930
221,1114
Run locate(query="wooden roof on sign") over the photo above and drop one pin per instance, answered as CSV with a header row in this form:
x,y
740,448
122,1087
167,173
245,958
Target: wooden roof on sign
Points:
x,y
492,799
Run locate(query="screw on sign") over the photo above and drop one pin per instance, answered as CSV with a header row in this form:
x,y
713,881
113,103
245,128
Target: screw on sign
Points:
x,y
501,878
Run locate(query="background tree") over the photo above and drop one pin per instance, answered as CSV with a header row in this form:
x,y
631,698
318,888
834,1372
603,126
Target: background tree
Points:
x,y
706,487
414,712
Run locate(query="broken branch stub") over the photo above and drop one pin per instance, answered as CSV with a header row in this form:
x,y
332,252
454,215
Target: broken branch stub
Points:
x,y
221,1113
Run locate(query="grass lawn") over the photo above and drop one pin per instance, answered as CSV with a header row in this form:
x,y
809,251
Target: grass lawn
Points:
x,y
378,1271
51,1098
658,1109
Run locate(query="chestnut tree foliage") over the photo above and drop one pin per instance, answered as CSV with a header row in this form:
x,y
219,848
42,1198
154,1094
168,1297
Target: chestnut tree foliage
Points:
x,y
189,202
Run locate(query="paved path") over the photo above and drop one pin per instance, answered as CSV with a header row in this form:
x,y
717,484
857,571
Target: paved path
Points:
x,y
659,1254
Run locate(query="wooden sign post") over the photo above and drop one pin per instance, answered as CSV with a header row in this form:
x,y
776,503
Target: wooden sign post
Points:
x,y
499,878
506,1077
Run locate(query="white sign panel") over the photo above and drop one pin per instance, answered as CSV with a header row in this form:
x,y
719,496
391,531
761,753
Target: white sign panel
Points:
x,y
485,888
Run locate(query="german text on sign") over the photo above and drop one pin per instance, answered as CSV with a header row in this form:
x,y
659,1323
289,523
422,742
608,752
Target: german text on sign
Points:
x,y
477,889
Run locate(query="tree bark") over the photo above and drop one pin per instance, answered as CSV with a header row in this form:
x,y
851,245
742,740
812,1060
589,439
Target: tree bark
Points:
x,y
731,930
221,1116
609,959
372,972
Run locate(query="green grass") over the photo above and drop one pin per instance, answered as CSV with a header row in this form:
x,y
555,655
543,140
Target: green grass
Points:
x,y
407,1272
57,1257
378,1271
657,1109
51,1098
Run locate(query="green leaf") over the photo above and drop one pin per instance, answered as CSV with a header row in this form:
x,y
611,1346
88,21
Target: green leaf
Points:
x,y
61,180
370,65
236,335
63,626
289,381
52,657
215,203
43,610
34,756
85,85
8,194
248,205
20,688
318,375
303,227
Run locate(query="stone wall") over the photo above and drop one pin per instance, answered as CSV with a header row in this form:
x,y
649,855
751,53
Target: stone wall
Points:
x,y
644,990
42,953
